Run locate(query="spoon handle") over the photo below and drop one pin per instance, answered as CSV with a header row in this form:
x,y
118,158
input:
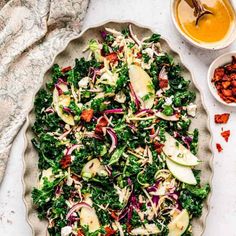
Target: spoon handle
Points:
x,y
198,6
199,10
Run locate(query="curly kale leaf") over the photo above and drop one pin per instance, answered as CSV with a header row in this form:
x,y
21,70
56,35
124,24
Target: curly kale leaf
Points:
x,y
176,80
98,104
154,38
192,197
82,66
86,232
125,32
50,151
123,78
165,59
194,143
45,122
183,98
81,70
55,74
42,197
42,101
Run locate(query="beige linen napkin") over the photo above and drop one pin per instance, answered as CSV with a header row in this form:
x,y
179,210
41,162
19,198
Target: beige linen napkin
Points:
x,y
32,33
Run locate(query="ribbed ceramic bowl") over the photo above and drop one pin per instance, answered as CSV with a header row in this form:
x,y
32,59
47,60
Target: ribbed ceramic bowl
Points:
x,y
65,58
219,61
211,46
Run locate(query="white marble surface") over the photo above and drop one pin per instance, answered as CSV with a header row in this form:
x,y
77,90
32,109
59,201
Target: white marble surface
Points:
x,y
155,14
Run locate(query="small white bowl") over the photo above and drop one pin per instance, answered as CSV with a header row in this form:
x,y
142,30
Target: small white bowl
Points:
x,y
219,61
211,46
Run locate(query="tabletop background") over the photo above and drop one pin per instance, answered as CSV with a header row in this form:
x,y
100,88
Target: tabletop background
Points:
x,y
156,15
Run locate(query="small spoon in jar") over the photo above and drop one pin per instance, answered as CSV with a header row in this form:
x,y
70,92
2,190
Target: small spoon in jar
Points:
x,y
200,10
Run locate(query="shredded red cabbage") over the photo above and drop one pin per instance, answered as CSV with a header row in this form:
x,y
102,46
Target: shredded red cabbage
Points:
x,y
113,111
67,110
187,140
76,207
103,34
49,110
155,200
61,81
114,140
136,100
72,148
59,90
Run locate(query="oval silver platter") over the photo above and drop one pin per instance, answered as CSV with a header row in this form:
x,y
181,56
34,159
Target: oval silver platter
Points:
x,y
66,57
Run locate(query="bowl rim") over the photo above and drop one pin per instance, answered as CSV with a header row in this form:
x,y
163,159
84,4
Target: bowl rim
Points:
x,y
224,44
210,72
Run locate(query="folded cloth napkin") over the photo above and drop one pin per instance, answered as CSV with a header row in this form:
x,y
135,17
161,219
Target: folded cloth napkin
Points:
x,y
32,33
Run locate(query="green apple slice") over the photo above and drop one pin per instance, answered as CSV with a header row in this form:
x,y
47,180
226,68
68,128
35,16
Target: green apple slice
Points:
x,y
147,229
182,173
92,168
165,117
142,85
179,224
88,217
178,153
61,101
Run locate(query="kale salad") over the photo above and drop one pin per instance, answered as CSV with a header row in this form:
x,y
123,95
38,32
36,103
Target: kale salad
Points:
x,y
116,152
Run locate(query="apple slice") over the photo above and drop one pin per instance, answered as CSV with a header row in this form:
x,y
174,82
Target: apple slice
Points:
x,y
165,117
179,224
92,168
88,217
182,173
61,101
148,229
178,153
142,85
